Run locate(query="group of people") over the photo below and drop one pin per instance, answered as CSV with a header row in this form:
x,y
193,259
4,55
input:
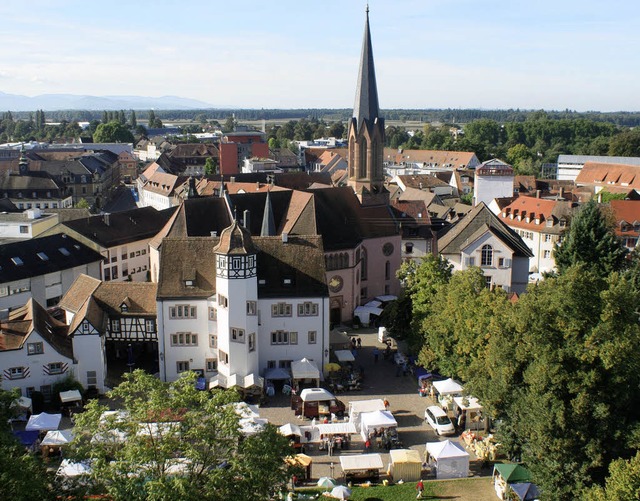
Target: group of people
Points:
x,y
384,438
330,443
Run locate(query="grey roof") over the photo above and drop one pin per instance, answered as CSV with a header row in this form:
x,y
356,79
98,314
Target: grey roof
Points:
x,y
268,222
472,225
366,106
581,159
39,256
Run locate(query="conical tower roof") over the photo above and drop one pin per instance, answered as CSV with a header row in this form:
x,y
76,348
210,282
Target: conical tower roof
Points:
x,y
366,106
268,222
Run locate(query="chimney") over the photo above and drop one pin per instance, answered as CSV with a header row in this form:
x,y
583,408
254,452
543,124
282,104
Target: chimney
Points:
x,y
538,193
246,218
285,237
561,192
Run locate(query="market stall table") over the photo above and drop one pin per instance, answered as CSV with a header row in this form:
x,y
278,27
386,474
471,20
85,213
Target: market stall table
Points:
x,y
361,466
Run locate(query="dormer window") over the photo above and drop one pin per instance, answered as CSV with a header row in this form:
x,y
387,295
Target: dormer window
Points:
x,y
17,261
124,308
188,283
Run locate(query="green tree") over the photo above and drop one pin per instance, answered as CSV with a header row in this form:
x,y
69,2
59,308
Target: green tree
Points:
x,y
592,242
112,132
172,426
230,124
210,167
622,483
626,144
83,204
133,121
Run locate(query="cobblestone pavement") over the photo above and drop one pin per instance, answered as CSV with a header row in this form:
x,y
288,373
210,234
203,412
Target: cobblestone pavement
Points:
x,y
380,382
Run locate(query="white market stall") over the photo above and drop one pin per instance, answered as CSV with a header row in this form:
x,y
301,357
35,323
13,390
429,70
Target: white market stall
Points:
x,y
303,370
447,389
361,466
55,439
369,421
366,314
344,428
472,411
289,430
252,426
449,459
344,356
357,407
43,422
67,397
339,340
405,465
69,469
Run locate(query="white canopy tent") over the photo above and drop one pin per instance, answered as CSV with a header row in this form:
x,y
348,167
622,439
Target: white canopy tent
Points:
x,y
23,402
336,428
357,407
43,422
305,369
316,395
376,419
290,429
365,314
70,469
245,410
451,460
67,397
360,462
251,426
472,409
57,437
344,356
448,387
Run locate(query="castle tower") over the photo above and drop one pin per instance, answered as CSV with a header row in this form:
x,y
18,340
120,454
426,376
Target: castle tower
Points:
x,y
366,133
237,296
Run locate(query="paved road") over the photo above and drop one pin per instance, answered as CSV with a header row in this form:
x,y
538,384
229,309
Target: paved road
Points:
x,y
380,382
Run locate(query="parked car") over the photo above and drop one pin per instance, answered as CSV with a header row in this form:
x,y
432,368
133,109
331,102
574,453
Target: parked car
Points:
x,y
439,421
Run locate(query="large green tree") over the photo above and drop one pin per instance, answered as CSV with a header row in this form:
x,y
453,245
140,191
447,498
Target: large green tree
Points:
x,y
591,241
165,428
112,132
622,483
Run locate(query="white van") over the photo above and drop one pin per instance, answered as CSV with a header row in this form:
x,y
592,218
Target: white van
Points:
x,y
439,421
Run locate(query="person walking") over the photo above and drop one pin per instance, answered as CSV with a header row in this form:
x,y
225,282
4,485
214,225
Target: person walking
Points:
x,y
376,354
420,489
359,341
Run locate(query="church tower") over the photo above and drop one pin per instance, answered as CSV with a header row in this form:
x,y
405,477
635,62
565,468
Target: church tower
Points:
x,y
366,133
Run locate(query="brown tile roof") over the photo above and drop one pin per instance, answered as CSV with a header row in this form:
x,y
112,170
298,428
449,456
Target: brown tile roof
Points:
x,y
15,330
81,289
139,297
536,209
475,223
300,216
235,240
437,158
614,175
301,260
421,181
627,216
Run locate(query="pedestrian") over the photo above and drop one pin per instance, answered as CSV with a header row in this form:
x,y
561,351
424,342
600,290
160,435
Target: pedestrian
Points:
x,y
359,342
354,352
376,354
420,489
367,446
386,404
353,342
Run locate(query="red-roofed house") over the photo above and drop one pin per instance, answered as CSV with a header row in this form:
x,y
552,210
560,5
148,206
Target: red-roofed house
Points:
x,y
627,216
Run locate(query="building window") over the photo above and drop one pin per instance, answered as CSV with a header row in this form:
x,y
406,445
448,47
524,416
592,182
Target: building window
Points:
x,y
46,392
308,309
285,364
313,336
115,325
182,311
131,255
17,372
150,325
363,264
92,379
182,366
487,280
252,308
546,254
237,335
35,348
223,357
123,253
280,337
114,272
547,237
213,314
223,301
363,292
271,364
107,274
387,270
281,310
55,368
213,341
211,365
487,255
184,339
24,229
293,338
252,341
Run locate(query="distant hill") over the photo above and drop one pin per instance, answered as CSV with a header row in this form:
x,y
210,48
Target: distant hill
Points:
x,y
54,102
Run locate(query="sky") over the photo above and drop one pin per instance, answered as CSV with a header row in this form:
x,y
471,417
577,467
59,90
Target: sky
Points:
x,y
492,54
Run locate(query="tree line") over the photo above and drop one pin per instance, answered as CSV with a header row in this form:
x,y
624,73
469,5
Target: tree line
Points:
x,y
557,370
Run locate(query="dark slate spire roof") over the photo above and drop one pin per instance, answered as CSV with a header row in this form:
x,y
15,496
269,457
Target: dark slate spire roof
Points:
x,y
235,240
366,105
268,222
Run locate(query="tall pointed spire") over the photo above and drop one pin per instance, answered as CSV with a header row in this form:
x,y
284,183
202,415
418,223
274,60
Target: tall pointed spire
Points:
x,y
268,221
366,106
